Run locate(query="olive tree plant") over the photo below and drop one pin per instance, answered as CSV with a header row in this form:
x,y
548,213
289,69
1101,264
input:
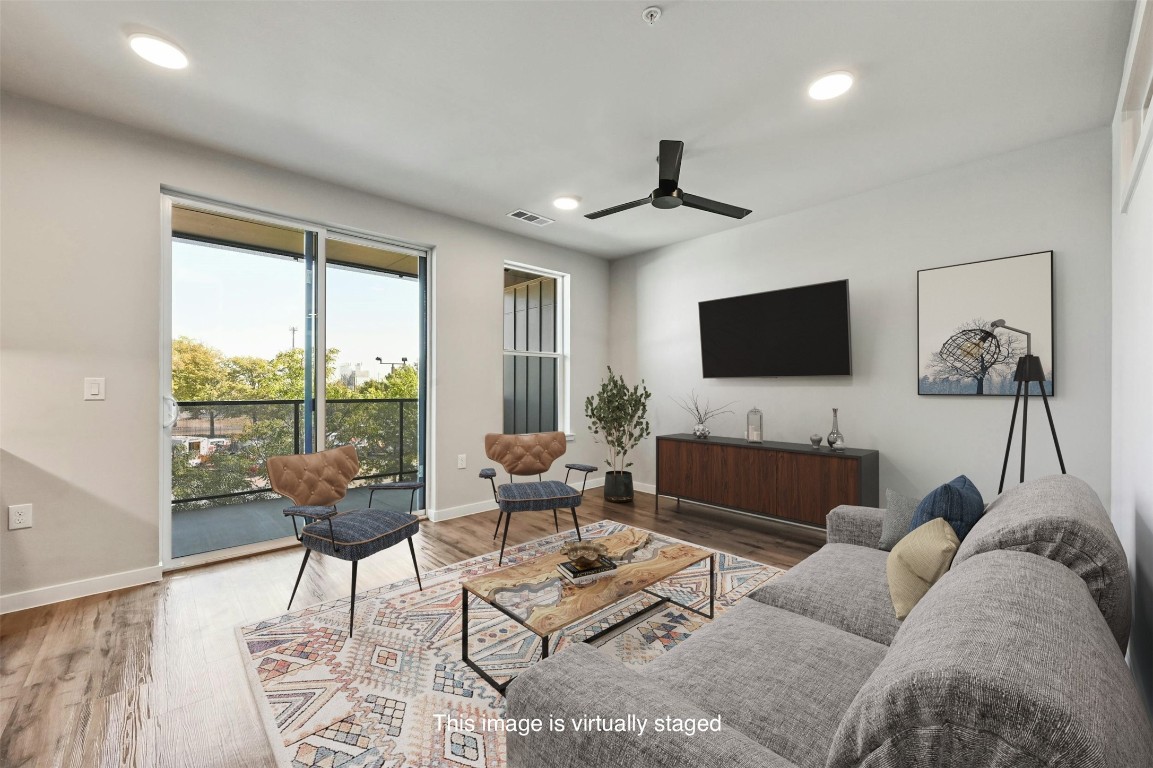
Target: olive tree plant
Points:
x,y
618,414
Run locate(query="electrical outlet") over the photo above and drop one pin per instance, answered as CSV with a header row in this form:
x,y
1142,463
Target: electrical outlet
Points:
x,y
461,462
19,516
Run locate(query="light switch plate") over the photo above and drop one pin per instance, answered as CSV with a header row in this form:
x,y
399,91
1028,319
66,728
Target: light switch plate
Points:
x,y
94,388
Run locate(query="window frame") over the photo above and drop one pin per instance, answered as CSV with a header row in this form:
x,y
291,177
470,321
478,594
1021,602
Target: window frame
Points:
x,y
562,355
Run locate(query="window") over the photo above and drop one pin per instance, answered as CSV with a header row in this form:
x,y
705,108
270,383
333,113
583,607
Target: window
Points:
x,y
287,337
535,354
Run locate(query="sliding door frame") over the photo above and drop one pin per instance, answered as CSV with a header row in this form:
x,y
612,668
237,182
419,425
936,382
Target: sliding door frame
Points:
x,y
316,235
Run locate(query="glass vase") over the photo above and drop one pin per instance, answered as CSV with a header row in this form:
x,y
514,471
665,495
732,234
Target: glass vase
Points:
x,y
836,439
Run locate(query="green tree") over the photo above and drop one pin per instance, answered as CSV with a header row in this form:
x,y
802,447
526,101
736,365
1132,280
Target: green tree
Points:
x,y
221,472
385,434
401,383
202,373
248,377
199,372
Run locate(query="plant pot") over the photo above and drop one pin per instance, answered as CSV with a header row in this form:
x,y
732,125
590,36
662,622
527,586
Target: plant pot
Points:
x,y
618,486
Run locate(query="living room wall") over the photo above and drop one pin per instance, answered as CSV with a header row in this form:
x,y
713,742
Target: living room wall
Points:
x,y
1132,404
1053,196
81,244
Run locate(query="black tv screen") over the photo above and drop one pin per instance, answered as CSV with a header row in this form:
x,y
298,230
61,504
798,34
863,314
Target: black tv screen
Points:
x,y
792,332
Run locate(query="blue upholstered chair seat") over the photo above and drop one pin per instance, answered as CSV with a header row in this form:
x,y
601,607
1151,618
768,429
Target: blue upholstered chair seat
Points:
x,y
536,496
359,533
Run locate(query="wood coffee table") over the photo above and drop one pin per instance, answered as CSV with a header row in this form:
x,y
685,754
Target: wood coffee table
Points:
x,y
537,597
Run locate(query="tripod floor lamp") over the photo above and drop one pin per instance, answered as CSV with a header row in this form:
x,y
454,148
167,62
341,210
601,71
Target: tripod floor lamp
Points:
x,y
1028,370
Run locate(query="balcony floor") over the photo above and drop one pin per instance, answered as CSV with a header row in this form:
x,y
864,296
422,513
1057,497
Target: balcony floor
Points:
x,y
232,525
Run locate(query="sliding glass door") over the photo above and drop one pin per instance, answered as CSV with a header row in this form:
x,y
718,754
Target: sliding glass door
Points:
x,y
285,338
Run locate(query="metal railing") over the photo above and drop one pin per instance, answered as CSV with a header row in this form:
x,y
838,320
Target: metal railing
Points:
x,y
220,447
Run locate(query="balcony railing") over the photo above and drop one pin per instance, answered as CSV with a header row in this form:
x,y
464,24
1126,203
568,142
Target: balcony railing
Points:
x,y
220,447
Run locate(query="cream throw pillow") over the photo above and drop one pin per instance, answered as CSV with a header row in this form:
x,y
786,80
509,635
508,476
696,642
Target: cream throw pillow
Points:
x,y
917,561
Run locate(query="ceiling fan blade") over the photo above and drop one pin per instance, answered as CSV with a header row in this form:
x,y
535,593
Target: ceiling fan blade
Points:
x,y
619,208
712,206
670,159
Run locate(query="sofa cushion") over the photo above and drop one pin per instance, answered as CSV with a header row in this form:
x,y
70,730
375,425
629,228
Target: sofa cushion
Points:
x,y
957,501
781,679
582,683
898,520
1005,662
917,562
841,585
1060,517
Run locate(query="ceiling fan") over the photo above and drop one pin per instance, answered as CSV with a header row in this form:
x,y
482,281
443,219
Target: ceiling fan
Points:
x,y
668,194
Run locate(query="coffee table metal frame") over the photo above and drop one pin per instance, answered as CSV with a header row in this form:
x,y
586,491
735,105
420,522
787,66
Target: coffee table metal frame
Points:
x,y
661,601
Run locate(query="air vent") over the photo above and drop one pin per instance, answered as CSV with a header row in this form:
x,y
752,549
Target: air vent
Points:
x,y
531,218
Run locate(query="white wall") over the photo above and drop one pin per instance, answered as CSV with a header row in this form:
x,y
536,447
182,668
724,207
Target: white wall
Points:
x,y
81,245
1053,196
1133,401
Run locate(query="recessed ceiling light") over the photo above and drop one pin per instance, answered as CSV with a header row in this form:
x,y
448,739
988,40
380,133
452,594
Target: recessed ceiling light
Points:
x,y
158,51
830,86
567,202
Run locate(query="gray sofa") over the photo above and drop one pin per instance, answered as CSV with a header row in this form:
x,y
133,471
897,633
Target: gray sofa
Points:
x,y
1014,658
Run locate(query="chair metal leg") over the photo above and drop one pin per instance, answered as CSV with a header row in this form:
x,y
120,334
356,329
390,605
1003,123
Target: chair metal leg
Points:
x,y
576,524
300,573
507,519
499,517
412,551
555,522
352,602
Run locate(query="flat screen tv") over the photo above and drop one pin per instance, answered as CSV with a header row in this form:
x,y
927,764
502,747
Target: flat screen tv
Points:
x,y
792,332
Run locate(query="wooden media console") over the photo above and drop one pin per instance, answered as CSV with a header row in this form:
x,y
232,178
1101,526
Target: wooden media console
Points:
x,y
786,480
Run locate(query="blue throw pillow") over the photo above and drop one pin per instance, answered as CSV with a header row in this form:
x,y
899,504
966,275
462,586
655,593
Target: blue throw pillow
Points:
x,y
957,501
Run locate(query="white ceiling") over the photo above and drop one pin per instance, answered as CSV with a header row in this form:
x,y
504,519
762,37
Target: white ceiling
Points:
x,y
478,108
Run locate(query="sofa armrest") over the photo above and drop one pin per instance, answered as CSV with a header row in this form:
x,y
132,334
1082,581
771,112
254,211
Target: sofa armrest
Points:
x,y
580,682
855,525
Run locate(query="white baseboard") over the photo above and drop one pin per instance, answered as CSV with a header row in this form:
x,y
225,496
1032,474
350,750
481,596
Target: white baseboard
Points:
x,y
645,488
439,515
34,598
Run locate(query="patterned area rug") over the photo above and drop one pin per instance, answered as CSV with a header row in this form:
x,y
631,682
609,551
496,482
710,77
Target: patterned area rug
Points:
x,y
374,701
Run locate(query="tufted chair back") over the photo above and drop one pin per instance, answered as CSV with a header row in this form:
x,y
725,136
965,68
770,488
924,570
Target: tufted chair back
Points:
x,y
530,454
314,479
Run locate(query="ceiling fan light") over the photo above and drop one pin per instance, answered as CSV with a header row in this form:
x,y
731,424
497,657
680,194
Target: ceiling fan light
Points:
x,y
158,51
830,86
567,202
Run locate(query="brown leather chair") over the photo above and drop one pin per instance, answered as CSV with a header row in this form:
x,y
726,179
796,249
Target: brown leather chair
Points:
x,y
315,482
531,454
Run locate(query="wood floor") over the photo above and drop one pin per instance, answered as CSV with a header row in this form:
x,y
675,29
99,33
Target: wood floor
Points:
x,y
151,676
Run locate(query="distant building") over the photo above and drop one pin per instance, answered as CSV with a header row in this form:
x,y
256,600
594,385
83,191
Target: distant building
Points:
x,y
355,374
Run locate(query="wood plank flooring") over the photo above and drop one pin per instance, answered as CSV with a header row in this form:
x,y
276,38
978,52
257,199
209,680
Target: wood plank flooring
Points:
x,y
151,676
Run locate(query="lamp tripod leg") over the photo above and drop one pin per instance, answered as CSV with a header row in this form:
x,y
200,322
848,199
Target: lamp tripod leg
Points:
x,y
1052,428
1024,430
1009,443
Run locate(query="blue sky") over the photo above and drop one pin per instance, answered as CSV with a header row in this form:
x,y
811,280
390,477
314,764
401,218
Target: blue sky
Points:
x,y
245,304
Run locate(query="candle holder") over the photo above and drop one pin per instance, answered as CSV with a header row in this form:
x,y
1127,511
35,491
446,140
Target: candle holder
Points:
x,y
754,426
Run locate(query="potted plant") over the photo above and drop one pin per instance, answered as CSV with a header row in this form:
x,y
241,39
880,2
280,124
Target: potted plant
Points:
x,y
619,415
701,413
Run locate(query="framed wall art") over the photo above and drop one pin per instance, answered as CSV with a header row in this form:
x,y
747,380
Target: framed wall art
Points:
x,y
959,352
